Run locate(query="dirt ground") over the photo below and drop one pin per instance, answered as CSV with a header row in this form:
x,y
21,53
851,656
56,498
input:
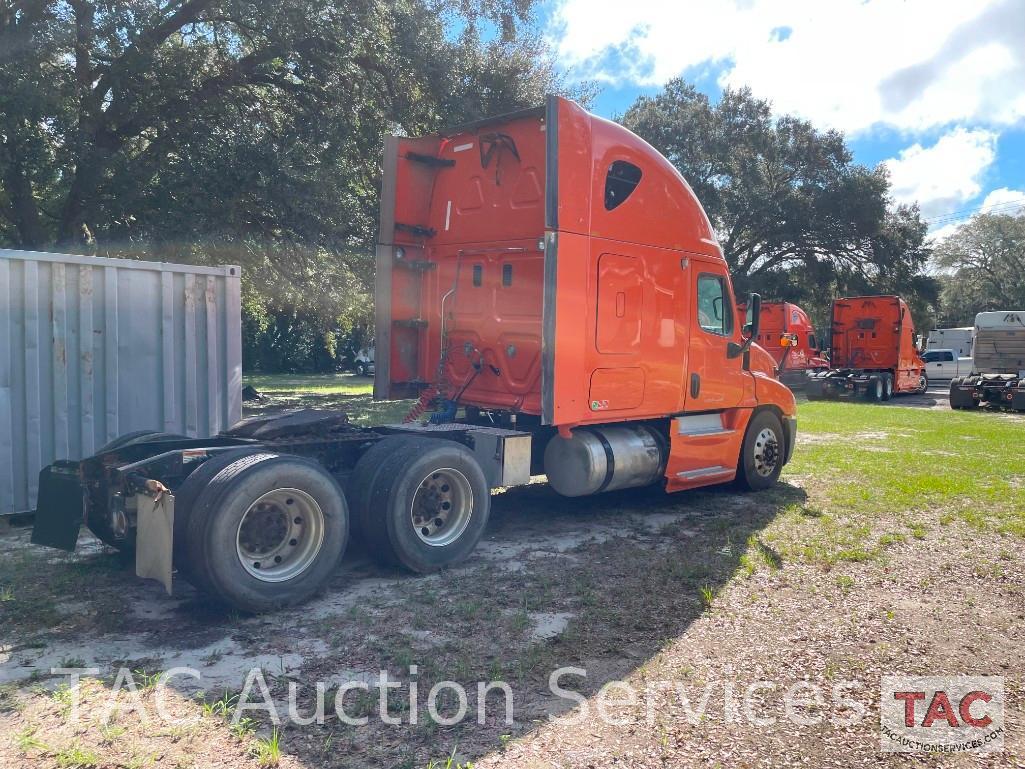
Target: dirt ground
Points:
x,y
710,591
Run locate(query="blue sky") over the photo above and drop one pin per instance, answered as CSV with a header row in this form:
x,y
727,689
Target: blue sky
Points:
x,y
935,89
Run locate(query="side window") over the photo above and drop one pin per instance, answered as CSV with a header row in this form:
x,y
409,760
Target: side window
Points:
x,y
620,182
930,357
715,315
947,357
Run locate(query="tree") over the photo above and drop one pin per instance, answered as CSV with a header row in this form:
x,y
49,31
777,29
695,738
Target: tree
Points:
x,y
239,131
985,262
797,219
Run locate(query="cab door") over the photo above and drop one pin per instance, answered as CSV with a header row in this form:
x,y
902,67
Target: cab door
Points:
x,y
714,381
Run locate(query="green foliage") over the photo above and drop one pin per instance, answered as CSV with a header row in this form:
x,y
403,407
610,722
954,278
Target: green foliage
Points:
x,y
797,219
986,262
243,132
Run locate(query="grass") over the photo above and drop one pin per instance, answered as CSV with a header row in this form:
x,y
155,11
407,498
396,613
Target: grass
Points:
x,y
318,384
917,467
881,459
76,757
268,749
346,392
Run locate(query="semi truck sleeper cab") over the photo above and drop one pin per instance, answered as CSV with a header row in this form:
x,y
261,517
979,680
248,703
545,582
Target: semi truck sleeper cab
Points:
x,y
549,287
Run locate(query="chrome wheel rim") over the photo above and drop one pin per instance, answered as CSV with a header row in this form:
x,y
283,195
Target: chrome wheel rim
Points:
x,y
923,384
280,535
766,452
442,507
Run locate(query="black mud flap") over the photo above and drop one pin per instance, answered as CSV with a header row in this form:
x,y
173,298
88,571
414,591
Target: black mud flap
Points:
x,y
60,506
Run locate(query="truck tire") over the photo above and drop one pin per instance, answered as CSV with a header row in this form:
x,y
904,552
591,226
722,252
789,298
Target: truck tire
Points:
x,y
185,497
430,505
762,453
362,480
267,531
361,369
958,399
923,384
875,390
887,387
814,389
99,525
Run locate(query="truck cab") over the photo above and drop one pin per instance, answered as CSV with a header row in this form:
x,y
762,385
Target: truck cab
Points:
x,y
873,351
788,334
550,268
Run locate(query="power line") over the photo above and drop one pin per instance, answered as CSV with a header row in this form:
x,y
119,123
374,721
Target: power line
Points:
x,y
996,208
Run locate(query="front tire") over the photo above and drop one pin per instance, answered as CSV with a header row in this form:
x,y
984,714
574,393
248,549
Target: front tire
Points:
x,y
887,387
267,531
429,506
923,384
761,456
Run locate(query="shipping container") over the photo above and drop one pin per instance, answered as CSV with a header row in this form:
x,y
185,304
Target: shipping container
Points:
x,y
94,348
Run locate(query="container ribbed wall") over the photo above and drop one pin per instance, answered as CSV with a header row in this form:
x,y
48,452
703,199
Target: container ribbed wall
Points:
x,y
94,348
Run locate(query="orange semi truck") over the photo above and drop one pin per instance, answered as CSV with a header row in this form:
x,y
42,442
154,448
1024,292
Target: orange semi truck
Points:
x,y
787,333
873,352
551,287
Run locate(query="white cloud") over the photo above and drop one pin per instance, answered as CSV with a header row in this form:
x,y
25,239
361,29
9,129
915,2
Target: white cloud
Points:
x,y
935,236
849,64
1004,201
943,177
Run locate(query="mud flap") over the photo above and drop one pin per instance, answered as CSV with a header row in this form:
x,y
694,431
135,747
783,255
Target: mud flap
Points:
x,y
60,507
154,538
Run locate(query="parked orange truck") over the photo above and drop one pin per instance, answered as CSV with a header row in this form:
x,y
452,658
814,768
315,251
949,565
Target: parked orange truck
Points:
x,y
551,286
787,333
873,352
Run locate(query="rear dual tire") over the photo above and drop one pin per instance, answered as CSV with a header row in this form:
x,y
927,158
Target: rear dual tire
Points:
x,y
265,531
421,503
960,400
880,388
876,389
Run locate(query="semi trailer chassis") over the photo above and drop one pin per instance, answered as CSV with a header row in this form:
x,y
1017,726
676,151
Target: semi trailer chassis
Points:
x,y
1005,391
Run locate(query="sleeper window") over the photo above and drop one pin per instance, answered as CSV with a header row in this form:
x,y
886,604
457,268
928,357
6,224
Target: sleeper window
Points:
x,y
620,182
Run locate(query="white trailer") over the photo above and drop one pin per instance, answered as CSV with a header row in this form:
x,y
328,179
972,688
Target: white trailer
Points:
x,y
957,339
998,364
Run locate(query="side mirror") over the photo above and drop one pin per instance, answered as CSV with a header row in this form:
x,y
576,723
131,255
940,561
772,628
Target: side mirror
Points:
x,y
750,331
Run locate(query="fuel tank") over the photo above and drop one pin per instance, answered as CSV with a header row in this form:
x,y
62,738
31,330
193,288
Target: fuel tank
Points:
x,y
604,458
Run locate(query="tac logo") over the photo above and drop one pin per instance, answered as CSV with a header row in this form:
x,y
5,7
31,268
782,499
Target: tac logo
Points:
x,y
942,714
601,405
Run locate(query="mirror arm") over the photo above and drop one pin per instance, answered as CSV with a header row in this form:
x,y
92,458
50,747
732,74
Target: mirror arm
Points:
x,y
734,350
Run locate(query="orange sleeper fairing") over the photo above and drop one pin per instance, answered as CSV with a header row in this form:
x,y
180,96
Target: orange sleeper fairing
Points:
x,y
552,263
876,333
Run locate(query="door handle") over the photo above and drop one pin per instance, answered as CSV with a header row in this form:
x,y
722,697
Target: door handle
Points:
x,y
695,385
